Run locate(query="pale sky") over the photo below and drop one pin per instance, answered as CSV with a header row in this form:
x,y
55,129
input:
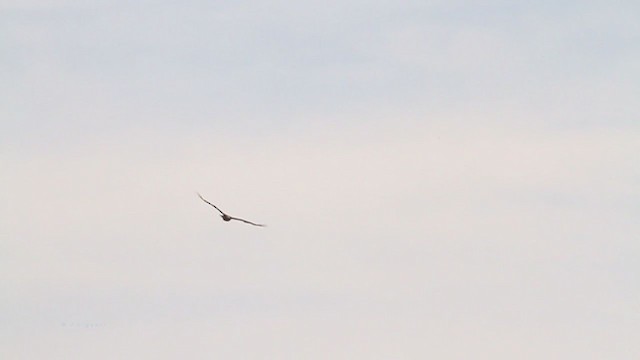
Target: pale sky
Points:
x,y
440,179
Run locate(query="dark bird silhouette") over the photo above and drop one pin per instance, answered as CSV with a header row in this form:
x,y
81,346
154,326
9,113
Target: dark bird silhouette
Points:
x,y
226,217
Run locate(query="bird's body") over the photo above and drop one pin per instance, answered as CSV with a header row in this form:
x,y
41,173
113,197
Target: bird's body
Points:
x,y
226,217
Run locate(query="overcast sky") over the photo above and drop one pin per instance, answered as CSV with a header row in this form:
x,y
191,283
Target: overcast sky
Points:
x,y
440,179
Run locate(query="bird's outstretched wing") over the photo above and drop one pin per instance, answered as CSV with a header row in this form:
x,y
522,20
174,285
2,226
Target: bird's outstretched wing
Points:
x,y
247,221
203,199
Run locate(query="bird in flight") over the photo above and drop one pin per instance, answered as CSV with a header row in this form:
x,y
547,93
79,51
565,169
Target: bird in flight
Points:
x,y
226,217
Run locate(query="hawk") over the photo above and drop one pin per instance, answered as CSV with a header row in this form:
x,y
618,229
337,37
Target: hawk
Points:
x,y
226,217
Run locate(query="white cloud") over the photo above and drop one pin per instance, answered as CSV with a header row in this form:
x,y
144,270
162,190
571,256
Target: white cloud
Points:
x,y
483,225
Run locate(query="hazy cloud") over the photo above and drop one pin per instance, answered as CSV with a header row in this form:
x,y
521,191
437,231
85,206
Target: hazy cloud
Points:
x,y
440,179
